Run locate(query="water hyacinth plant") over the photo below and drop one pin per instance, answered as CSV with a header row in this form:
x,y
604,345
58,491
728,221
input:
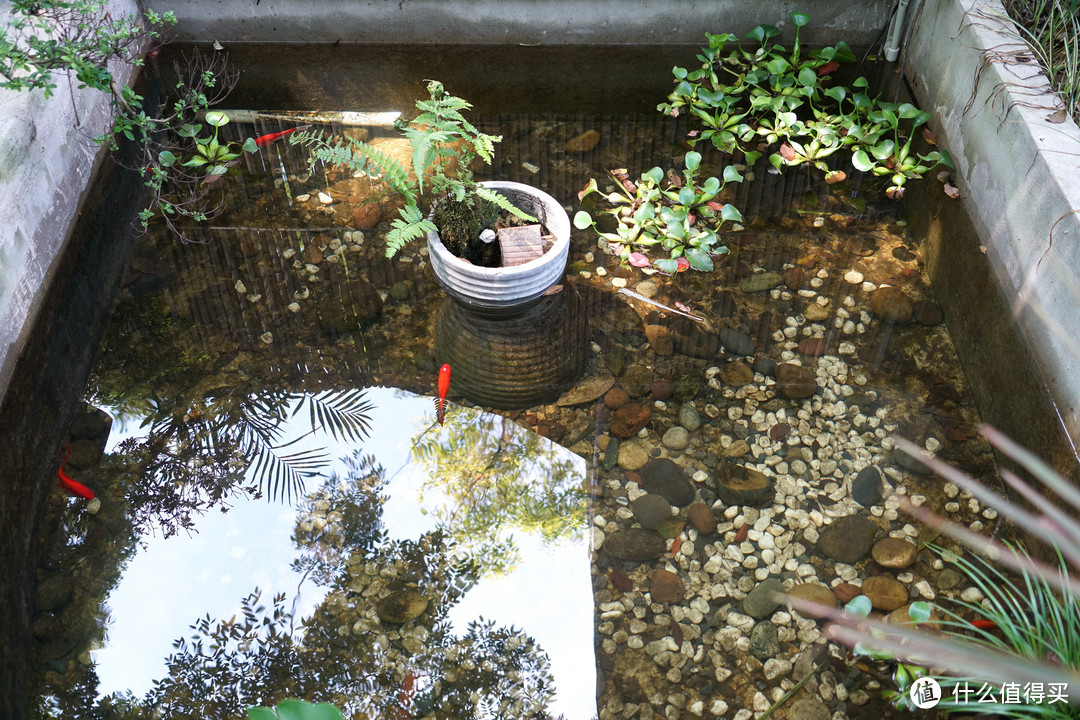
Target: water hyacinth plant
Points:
x,y
764,98
678,214
1017,652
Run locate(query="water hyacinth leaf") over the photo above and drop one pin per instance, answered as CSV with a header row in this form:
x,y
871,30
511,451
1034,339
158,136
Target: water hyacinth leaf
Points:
x,y
656,175
732,174
686,196
189,130
668,265
731,213
645,213
861,161
807,77
883,150
908,111
800,19
250,146
216,118
582,220
711,186
679,72
699,259
683,89
693,160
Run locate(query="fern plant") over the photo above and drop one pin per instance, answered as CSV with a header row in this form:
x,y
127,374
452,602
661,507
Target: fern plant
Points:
x,y
443,143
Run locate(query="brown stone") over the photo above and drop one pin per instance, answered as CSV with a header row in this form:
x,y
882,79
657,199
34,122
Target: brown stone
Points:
x,y
660,338
893,552
666,587
583,143
366,216
738,485
637,380
629,419
795,382
891,305
815,313
814,592
701,517
846,592
615,398
885,593
312,255
814,347
736,374
794,278
401,606
736,449
634,544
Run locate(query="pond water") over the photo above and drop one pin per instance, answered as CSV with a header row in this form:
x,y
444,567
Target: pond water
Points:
x,y
608,548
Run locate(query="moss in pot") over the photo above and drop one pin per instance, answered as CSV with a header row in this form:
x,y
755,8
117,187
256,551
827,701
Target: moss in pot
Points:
x,y
444,145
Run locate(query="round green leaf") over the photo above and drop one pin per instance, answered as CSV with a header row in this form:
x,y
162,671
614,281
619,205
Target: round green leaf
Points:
x,y
699,259
859,605
655,175
679,72
919,611
693,160
686,195
250,146
861,161
668,265
582,220
711,186
800,19
217,118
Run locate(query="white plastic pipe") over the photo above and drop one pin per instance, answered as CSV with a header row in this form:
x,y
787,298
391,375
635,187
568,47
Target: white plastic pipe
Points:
x,y
896,31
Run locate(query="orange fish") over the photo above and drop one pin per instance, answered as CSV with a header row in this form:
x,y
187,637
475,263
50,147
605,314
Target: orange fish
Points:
x,y
70,484
264,140
444,386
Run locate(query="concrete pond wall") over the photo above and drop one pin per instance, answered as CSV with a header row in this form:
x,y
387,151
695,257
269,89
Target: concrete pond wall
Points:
x,y
47,158
1015,169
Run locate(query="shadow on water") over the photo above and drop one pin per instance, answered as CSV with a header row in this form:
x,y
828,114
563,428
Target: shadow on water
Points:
x,y
284,356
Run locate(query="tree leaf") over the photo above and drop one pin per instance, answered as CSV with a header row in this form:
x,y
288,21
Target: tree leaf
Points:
x,y
670,527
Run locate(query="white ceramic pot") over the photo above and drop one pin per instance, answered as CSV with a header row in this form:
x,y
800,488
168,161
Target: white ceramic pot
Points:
x,y
506,290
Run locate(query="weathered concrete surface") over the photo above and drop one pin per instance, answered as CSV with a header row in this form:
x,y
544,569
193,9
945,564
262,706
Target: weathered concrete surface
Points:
x,y
548,22
47,158
1018,179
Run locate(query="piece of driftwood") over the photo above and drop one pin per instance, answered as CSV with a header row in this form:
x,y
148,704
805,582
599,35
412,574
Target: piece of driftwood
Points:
x,y
522,244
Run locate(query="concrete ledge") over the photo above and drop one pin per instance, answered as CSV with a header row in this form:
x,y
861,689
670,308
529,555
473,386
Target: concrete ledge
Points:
x,y
546,22
47,158
1017,173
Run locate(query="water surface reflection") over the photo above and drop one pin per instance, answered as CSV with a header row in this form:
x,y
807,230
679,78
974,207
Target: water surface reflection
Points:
x,y
432,569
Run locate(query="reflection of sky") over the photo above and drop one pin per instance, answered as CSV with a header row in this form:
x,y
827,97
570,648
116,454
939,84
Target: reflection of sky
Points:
x,y
174,582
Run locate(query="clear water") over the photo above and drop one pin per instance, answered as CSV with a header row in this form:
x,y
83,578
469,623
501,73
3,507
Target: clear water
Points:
x,y
206,348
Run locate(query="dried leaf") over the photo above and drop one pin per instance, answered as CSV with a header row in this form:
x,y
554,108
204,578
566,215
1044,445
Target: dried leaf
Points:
x,y
951,191
1058,116
670,527
787,152
637,259
835,176
929,136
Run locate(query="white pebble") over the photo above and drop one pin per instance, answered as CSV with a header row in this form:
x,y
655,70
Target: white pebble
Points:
x,y
854,277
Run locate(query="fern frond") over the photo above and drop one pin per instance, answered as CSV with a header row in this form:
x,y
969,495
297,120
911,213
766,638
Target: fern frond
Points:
x,y
411,225
503,203
357,156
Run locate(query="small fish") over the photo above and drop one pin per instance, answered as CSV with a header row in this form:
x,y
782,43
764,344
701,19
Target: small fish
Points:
x,y
444,386
983,624
264,140
70,484
642,298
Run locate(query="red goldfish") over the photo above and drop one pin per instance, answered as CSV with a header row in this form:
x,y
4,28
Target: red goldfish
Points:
x,y
264,140
444,386
73,486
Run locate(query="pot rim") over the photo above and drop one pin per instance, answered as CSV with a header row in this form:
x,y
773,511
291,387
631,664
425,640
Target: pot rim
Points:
x,y
512,270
